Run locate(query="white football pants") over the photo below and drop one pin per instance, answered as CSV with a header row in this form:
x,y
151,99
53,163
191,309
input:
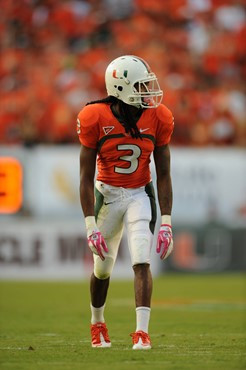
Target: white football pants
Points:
x,y
116,207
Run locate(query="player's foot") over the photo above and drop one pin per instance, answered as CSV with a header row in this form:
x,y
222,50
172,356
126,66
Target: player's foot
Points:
x,y
141,340
99,335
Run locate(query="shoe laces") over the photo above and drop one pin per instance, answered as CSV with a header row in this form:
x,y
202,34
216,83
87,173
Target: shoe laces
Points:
x,y
97,329
140,334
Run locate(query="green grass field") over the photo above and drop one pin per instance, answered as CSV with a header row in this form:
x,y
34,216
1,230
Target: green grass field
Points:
x,y
197,322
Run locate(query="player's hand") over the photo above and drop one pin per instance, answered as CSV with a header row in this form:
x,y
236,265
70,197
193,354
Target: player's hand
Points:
x,y
95,239
97,244
164,241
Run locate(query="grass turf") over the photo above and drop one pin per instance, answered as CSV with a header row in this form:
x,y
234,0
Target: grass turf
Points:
x,y
197,322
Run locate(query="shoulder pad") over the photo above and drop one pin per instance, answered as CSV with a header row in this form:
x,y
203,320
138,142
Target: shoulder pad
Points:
x,y
89,115
163,113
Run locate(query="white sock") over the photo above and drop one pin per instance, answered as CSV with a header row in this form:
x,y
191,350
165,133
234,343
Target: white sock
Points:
x,y
143,316
97,314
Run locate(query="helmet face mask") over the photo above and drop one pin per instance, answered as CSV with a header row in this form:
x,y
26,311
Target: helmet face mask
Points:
x,y
147,92
130,79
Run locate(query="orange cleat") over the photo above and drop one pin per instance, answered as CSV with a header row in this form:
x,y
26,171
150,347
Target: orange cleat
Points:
x,y
140,340
99,336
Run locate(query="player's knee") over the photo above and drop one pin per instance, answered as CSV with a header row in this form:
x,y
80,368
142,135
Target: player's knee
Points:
x,y
102,275
103,269
140,248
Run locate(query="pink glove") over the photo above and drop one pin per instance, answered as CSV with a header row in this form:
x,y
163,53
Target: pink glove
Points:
x,y
97,244
164,241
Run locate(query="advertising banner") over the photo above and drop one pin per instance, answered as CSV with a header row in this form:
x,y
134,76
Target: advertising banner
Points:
x,y
208,184
210,248
54,250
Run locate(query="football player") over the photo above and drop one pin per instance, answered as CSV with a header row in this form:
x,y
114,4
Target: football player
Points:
x,y
119,134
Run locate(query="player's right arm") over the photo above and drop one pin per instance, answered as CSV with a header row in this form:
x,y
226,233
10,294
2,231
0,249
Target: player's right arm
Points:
x,y
87,174
95,239
88,132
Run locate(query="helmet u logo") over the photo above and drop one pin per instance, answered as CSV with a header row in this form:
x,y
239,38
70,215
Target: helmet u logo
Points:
x,y
124,74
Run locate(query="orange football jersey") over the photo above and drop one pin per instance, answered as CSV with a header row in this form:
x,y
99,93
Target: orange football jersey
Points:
x,y
123,160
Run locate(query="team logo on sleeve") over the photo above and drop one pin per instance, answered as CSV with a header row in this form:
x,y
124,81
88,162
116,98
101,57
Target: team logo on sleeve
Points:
x,y
78,127
107,129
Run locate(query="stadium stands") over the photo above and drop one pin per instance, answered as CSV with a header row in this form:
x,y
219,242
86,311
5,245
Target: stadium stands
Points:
x,y
54,54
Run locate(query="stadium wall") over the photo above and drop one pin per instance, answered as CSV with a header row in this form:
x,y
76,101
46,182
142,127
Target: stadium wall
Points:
x,y
46,238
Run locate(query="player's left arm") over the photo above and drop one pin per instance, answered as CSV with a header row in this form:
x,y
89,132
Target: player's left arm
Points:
x,y
165,197
164,183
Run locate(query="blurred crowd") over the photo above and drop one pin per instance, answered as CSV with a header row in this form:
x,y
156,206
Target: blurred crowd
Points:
x,y
54,54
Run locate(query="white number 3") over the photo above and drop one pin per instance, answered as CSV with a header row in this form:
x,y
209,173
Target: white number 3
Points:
x,y
132,159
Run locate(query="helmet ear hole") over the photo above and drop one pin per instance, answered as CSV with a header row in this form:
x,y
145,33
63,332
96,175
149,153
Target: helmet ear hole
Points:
x,y
120,88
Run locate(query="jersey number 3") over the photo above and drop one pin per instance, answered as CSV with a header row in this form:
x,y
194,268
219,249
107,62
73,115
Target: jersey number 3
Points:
x,y
132,159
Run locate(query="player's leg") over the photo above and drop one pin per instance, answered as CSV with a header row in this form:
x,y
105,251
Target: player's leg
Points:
x,y
98,288
140,221
143,292
142,287
109,217
110,223
102,270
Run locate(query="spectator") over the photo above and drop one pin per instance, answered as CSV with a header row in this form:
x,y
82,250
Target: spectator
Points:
x,y
53,57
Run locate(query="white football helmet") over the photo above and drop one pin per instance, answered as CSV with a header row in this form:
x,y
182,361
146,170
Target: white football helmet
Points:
x,y
130,79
